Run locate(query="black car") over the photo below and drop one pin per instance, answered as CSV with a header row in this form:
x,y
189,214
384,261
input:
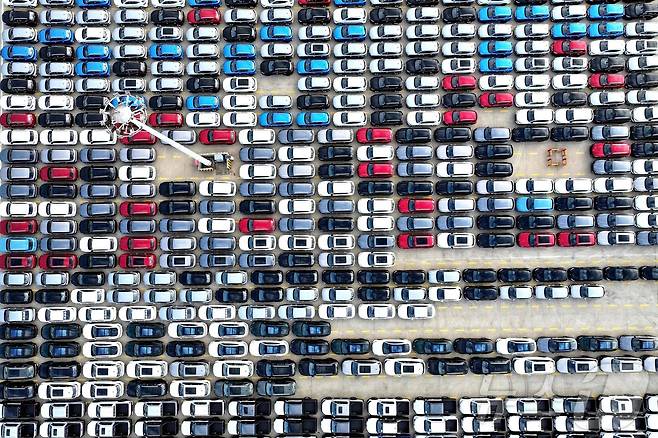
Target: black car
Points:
x,y
585,274
569,98
459,100
649,272
20,350
387,15
144,348
569,133
549,275
55,120
479,275
409,277
195,278
374,293
473,345
597,343
168,17
25,410
90,119
309,347
644,132
59,370
458,134
302,277
276,67
18,332
490,365
386,101
405,188
621,273
612,115
334,276
177,188
644,150
432,346
267,277
386,118
566,203
275,368
372,188
314,16
641,80
203,85
16,296
97,261
18,86
88,279
61,191
606,64
350,346
613,202
241,3
336,224
166,103
59,349
312,101
172,208
447,367
239,33
18,391
308,329
91,102
336,171
645,11
386,83
57,53
539,133
266,295
373,276
495,222
495,240
493,151
129,68
269,329
458,14
492,168
292,259
98,226
422,66
413,135
17,17
318,367
514,275
335,153
533,222
145,330
257,207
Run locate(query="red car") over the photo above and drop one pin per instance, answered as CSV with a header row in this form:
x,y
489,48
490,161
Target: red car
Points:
x,y
459,82
529,239
573,47
168,120
141,137
467,117
374,135
127,209
217,136
58,261
130,261
248,225
18,120
411,241
58,173
373,170
606,80
411,205
567,238
204,16
138,243
609,150
496,100
314,2
28,226
8,261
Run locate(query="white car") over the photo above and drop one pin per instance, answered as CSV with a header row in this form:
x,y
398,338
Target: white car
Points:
x,y
233,369
216,225
390,347
623,364
516,346
645,167
569,12
459,30
296,242
98,244
376,259
455,240
376,311
375,205
515,292
607,98
642,29
375,153
440,294
435,424
457,48
217,188
386,65
375,223
455,169
496,82
336,311
422,83
532,47
386,49
531,30
642,47
349,16
645,114
416,311
584,291
350,84
532,82
423,48
329,242
534,116
532,99
495,31
296,311
258,171
314,83
296,153
573,185
569,81
543,292
296,206
533,365
613,185
606,47
531,185
404,367
458,65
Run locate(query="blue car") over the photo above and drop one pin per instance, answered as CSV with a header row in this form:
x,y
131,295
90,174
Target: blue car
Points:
x,y
569,30
56,35
276,33
532,13
528,203
239,51
204,3
202,103
93,3
18,244
496,65
165,51
606,12
93,52
312,66
495,14
310,119
92,68
351,32
274,119
340,3
495,48
239,67
605,30
19,53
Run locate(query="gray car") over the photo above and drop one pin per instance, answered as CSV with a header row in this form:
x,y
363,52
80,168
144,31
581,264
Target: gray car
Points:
x,y
257,154
49,156
237,388
276,388
368,241
296,171
178,243
177,261
256,260
217,260
607,132
608,167
257,189
326,136
15,173
58,244
414,152
567,221
288,189
96,209
98,191
136,190
491,134
15,155
182,136
98,155
614,220
646,238
454,222
413,223
296,136
137,155
558,344
208,243
415,169
50,226
137,226
18,191
336,206
495,204
177,225
207,207
296,224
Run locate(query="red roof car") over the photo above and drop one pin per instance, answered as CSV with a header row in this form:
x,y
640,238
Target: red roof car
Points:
x,y
8,261
314,2
410,241
141,137
608,150
169,120
374,135
529,239
459,82
204,16
372,170
217,136
28,226
573,47
58,261
18,120
138,243
411,205
129,261
567,238
496,100
127,209
58,173
606,80
249,225
467,117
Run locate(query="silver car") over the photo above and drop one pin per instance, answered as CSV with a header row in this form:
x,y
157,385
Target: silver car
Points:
x,y
413,223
